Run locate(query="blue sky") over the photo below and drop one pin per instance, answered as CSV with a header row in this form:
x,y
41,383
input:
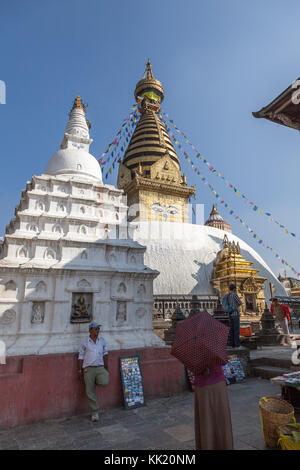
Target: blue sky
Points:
x,y
218,61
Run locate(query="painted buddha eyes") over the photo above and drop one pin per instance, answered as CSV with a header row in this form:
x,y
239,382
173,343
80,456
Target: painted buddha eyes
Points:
x,y
157,207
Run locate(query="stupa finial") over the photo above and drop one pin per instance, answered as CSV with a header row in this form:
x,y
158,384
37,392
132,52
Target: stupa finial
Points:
x,y
77,102
77,127
148,70
150,88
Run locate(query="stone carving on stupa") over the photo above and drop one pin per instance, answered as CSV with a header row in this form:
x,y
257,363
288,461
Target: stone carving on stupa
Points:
x,y
38,312
82,306
232,268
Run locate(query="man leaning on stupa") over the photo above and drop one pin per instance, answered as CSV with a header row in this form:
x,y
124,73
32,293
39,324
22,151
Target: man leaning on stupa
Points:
x,y
93,366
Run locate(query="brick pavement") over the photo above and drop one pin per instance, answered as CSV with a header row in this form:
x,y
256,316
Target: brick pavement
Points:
x,y
163,424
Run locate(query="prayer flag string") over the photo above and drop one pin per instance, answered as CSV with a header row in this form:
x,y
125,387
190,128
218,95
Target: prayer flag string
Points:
x,y
213,170
205,181
118,146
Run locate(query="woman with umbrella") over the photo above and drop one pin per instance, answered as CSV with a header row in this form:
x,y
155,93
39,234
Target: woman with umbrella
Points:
x,y
200,343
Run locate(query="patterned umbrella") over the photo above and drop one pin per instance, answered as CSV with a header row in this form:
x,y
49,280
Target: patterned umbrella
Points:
x,y
200,342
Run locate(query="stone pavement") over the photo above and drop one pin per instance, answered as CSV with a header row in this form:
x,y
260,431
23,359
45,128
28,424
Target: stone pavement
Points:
x,y
163,424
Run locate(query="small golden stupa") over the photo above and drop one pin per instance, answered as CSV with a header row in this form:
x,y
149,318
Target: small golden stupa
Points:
x,y
232,268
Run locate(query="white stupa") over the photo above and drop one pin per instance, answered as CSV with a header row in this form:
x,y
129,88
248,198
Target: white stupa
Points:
x,y
185,255
66,259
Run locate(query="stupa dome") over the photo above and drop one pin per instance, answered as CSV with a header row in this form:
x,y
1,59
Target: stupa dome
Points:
x,y
185,256
74,158
74,161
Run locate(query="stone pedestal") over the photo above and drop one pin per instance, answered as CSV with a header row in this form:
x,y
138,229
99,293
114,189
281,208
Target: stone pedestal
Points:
x,y
220,315
195,306
269,333
170,333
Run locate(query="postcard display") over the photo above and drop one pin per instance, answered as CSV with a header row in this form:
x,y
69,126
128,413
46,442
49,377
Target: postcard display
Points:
x,y
233,370
132,382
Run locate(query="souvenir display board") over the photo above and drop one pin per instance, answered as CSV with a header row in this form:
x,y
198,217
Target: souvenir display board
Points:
x,y
132,382
233,370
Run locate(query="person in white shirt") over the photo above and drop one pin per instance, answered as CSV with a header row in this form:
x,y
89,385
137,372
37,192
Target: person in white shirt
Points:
x,y
93,366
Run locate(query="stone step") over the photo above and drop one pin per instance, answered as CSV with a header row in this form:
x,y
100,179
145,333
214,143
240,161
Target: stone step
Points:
x,y
267,372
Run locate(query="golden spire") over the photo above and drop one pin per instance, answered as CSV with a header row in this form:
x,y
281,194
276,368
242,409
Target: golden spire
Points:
x,y
148,71
225,241
150,166
214,210
149,87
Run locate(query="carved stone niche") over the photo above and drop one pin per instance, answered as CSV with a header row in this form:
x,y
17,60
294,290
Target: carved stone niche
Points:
x,y
121,291
121,314
249,286
41,287
8,317
10,285
82,304
141,292
38,312
250,289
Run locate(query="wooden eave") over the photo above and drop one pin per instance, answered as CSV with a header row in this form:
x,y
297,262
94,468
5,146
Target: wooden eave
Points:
x,y
282,110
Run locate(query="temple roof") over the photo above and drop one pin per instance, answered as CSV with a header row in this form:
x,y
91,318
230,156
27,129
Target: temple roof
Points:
x,y
283,109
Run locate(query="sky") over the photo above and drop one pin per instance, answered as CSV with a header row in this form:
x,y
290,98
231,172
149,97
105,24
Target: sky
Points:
x,y
218,62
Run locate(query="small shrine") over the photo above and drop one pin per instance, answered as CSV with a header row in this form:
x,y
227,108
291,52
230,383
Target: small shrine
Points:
x,y
217,221
295,290
232,268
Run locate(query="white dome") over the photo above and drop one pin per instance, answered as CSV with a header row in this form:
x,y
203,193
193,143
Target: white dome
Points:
x,y
74,161
184,254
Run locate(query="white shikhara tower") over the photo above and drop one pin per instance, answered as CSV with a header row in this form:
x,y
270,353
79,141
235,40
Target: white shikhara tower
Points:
x,y
66,259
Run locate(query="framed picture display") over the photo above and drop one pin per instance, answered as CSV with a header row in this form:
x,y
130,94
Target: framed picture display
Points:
x,y
132,382
233,370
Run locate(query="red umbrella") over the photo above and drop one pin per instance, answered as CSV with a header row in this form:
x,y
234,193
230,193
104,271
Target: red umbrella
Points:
x,y
200,342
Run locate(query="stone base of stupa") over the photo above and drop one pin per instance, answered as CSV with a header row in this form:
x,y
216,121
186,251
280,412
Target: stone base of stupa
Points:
x,y
39,387
271,339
